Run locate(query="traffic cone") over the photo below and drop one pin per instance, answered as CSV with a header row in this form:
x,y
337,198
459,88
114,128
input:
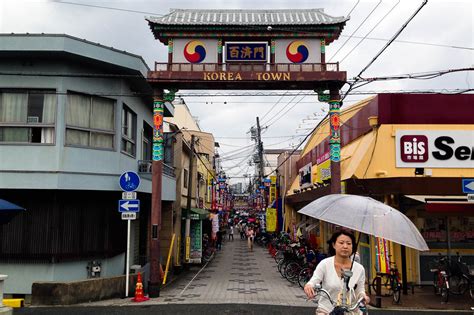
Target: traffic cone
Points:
x,y
139,297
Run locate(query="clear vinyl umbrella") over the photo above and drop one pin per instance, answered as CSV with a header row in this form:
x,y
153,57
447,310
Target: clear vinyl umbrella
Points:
x,y
366,215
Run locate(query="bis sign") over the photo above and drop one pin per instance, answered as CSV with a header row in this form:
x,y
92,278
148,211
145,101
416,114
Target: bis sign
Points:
x,y
435,148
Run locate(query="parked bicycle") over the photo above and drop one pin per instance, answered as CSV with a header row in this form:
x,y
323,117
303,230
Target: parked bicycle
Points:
x,y
390,281
440,267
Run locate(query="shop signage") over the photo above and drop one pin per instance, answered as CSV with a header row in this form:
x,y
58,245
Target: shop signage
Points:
x,y
305,176
245,51
435,148
271,218
323,168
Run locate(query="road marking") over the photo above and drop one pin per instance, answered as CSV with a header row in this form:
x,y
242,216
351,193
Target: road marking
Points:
x,y
197,274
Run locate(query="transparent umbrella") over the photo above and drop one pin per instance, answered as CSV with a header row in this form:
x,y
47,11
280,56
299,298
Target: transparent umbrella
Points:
x,y
366,215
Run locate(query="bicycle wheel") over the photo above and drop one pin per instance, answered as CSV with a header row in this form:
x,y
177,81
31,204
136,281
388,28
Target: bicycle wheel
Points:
x,y
458,284
291,271
444,292
304,276
383,283
396,290
436,283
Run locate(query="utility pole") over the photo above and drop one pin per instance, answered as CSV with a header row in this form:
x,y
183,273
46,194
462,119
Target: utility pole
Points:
x,y
190,194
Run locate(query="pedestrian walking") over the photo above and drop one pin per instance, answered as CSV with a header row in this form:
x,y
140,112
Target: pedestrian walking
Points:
x,y
219,240
231,233
250,237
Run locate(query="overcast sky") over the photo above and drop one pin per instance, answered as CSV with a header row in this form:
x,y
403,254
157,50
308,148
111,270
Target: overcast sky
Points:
x,y
446,24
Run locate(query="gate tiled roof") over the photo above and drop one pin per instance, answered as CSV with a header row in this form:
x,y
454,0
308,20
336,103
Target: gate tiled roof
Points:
x,y
247,17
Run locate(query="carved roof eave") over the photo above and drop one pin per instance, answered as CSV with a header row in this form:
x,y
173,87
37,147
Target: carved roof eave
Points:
x,y
163,33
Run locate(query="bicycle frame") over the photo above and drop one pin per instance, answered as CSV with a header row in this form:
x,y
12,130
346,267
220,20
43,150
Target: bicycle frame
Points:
x,y
344,308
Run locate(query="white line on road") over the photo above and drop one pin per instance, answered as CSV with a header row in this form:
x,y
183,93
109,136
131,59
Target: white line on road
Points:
x,y
197,274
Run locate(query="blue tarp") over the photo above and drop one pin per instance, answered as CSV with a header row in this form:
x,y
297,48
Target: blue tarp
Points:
x,y
8,210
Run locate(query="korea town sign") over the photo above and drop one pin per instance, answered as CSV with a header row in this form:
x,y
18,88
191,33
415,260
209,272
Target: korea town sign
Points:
x,y
435,148
237,76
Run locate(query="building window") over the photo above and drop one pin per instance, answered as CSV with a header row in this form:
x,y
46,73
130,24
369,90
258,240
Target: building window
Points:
x,y
90,121
147,142
129,131
27,116
185,178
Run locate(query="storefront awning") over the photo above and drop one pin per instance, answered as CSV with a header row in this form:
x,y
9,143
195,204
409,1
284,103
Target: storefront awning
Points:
x,y
444,204
197,213
8,210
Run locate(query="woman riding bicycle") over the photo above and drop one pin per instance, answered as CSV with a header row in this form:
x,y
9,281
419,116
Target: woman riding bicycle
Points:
x,y
329,273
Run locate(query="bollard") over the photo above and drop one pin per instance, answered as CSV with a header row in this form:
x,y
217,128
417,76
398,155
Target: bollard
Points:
x,y
2,279
378,292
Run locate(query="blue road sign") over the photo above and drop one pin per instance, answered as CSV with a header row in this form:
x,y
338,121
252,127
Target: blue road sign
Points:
x,y
468,185
129,181
129,205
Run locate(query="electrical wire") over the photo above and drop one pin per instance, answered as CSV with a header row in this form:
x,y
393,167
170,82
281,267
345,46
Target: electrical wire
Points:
x,y
358,27
373,28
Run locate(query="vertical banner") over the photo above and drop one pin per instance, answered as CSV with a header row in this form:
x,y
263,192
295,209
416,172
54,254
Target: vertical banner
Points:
x,y
271,219
215,225
334,137
157,129
381,253
196,241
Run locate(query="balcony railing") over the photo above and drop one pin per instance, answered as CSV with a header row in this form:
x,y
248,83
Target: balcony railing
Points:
x,y
145,166
246,67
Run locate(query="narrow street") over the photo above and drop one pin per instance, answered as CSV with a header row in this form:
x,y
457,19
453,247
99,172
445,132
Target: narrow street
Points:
x,y
236,281
237,275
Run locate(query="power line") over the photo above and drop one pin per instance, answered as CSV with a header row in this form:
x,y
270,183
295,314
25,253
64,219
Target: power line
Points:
x,y
281,29
373,28
392,39
276,114
104,7
282,115
348,14
360,25
413,42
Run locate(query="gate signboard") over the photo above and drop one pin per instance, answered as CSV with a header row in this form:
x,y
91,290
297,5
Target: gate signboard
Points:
x,y
246,51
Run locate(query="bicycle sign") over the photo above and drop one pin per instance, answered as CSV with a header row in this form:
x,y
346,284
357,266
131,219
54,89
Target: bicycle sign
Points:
x,y
129,181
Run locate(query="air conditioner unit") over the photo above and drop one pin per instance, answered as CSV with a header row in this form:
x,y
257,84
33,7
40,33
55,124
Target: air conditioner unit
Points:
x,y
32,119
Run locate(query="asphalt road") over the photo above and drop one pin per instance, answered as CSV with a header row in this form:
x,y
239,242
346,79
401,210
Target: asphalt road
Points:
x,y
197,309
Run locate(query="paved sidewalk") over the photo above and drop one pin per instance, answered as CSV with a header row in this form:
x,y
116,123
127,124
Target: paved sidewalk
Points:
x,y
238,276
235,275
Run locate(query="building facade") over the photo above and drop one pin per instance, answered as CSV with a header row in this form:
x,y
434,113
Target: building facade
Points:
x,y
408,152
74,116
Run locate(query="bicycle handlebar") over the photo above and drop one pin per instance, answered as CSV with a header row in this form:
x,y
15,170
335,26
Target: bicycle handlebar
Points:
x,y
346,308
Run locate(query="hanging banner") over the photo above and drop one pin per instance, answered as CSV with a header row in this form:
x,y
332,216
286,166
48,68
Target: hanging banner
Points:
x,y
271,220
381,253
215,224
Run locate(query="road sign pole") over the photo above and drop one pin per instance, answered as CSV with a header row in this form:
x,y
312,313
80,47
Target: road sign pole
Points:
x,y
127,268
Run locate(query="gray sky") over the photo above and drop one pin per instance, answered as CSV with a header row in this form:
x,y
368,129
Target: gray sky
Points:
x,y
440,22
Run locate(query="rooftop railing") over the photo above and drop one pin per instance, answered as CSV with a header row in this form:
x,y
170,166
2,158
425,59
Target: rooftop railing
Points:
x,y
247,67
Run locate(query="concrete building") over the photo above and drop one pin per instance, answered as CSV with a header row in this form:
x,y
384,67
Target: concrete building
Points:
x,y
183,126
74,116
378,159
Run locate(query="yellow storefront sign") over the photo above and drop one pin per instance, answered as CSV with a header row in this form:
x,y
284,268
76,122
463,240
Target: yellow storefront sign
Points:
x,y
324,171
271,220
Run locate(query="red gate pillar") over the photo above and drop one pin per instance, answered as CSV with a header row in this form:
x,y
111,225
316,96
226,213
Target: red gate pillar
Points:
x,y
335,141
159,99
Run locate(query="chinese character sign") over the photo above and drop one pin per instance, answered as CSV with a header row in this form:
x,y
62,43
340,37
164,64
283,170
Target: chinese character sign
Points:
x,y
242,51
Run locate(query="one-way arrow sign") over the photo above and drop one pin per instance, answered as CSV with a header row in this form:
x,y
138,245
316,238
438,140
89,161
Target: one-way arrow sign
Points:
x,y
129,205
468,185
